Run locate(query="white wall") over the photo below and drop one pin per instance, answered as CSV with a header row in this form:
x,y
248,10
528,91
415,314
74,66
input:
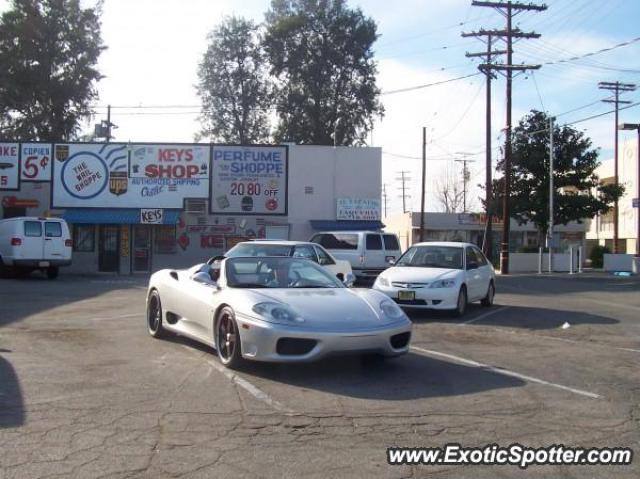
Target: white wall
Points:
x,y
618,262
528,262
333,173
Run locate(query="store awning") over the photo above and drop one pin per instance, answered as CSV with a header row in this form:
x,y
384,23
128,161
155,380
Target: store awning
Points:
x,y
113,216
343,225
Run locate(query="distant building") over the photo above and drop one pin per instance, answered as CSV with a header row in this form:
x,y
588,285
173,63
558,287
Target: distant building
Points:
x,y
600,229
469,227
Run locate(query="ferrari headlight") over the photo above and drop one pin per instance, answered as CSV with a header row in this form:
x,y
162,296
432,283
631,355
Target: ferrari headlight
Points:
x,y
382,281
277,313
443,283
391,309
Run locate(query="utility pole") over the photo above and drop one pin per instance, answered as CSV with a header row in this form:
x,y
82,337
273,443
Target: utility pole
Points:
x,y
384,198
424,174
552,192
487,242
465,179
616,88
404,178
509,9
108,123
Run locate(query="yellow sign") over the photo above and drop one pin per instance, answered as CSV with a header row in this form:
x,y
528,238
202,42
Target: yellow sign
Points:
x,y
124,241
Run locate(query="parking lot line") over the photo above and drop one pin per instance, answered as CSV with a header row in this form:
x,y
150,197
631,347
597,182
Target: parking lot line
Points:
x,y
591,343
485,315
122,316
599,302
255,391
504,372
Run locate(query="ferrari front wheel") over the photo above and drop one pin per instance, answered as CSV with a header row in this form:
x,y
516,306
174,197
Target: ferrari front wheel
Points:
x,y
154,315
228,339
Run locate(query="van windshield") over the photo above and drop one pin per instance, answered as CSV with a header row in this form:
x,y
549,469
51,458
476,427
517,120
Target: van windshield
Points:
x,y
336,241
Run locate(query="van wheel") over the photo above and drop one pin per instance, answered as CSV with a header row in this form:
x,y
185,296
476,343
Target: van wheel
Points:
x,y
52,272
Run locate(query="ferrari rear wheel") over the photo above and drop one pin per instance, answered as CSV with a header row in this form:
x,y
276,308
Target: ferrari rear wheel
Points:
x,y
228,338
154,315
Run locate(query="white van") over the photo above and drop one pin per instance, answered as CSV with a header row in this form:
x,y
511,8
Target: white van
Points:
x,y
30,243
369,252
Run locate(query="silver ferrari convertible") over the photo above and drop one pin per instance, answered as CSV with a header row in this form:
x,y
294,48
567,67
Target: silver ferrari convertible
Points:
x,y
279,309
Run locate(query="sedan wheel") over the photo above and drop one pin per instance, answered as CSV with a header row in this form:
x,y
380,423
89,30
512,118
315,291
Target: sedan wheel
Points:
x,y
461,305
488,299
228,339
154,315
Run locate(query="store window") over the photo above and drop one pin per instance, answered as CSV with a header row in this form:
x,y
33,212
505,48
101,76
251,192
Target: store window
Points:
x,y
84,238
165,239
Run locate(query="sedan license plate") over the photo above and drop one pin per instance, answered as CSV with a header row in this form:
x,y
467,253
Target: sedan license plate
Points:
x,y
406,295
43,264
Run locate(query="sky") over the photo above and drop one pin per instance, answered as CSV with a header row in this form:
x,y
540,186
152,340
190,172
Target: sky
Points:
x,y
155,46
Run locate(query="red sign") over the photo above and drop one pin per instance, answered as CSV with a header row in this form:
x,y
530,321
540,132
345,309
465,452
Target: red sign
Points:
x,y
212,241
13,202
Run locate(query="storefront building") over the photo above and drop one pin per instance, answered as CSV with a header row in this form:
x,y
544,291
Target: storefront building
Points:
x,y
137,208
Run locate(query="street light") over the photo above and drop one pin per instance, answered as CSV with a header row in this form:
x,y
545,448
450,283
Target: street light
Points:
x,y
635,126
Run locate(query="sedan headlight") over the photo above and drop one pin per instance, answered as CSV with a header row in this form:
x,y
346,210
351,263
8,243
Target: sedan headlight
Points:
x,y
391,309
443,283
382,281
277,313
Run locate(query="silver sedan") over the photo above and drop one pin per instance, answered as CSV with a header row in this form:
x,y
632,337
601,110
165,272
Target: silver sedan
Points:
x,y
273,309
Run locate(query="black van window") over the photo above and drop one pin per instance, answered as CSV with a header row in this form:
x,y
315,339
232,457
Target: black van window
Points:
x,y
391,242
32,228
336,241
374,242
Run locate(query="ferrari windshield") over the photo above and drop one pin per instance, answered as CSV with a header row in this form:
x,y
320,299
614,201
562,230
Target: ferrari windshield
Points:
x,y
277,272
449,257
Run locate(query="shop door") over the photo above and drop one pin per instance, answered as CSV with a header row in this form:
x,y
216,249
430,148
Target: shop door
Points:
x,y
141,249
108,248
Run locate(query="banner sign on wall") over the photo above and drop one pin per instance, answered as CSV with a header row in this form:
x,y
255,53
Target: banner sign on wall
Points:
x,y
249,180
151,216
112,175
36,161
166,161
358,209
9,166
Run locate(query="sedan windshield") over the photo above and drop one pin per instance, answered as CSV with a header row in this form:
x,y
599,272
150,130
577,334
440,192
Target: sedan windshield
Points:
x,y
449,257
253,249
276,272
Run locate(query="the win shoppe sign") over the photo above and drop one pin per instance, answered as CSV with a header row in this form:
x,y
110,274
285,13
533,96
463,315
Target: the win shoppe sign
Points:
x,y
111,175
249,180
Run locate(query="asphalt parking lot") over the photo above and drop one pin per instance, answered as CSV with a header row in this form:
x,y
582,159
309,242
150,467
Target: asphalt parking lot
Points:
x,y
85,392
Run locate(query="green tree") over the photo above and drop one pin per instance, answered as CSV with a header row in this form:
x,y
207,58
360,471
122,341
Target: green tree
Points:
x,y
234,85
49,52
321,54
579,193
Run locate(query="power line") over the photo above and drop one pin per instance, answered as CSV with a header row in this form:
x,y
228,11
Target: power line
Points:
x,y
427,85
